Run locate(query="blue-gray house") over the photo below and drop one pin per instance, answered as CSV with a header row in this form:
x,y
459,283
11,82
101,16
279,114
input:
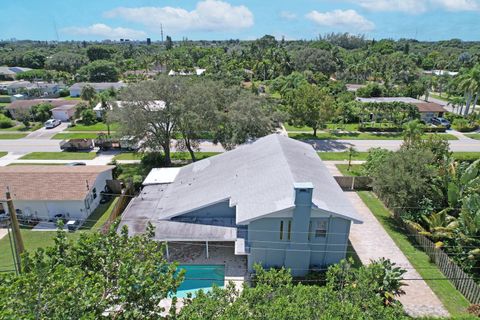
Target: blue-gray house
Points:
x,y
273,198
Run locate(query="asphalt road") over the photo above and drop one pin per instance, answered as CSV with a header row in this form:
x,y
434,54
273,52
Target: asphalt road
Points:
x,y
38,145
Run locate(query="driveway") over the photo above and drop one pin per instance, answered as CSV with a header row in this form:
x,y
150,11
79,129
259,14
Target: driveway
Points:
x,y
44,133
372,242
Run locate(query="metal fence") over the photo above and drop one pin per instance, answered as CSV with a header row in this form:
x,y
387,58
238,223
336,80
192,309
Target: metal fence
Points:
x,y
461,280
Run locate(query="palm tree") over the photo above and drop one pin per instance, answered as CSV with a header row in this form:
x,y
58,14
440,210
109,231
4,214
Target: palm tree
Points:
x,y
412,133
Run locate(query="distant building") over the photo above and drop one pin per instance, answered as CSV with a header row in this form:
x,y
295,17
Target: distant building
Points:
x,y
427,110
100,110
64,112
42,192
352,87
76,89
40,88
273,201
18,107
11,72
441,72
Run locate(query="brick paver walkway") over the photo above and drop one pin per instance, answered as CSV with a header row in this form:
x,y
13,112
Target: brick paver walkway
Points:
x,y
372,242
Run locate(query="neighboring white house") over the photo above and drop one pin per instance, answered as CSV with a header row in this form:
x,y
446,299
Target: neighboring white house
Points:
x,y
11,72
18,108
42,192
64,112
152,106
38,88
76,89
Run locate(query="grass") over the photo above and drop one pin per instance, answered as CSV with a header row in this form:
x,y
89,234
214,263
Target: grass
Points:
x,y
3,153
475,136
100,215
85,135
357,136
175,155
466,156
71,98
21,127
41,239
130,170
12,136
99,126
59,156
453,301
338,156
355,170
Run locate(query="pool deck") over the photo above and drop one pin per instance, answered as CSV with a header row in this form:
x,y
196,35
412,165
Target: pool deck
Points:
x,y
219,253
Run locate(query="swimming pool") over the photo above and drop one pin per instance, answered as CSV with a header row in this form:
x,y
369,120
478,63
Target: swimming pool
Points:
x,y
200,276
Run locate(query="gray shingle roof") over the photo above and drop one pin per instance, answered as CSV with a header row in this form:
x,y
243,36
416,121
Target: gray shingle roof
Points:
x,y
257,178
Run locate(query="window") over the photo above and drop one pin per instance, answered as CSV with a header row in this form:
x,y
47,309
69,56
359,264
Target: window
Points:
x,y
2,208
289,229
94,193
321,229
281,230
310,230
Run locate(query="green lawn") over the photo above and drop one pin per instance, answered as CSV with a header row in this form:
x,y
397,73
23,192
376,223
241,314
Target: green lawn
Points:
x,y
466,156
86,135
358,136
21,127
445,291
355,169
338,156
130,170
72,98
475,136
40,239
3,153
12,136
175,155
59,156
99,126
100,215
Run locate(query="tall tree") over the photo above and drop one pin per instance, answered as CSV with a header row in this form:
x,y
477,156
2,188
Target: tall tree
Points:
x,y
88,93
310,106
111,275
149,112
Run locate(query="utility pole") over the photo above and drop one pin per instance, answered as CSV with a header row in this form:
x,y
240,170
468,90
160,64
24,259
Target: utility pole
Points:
x,y
17,236
161,31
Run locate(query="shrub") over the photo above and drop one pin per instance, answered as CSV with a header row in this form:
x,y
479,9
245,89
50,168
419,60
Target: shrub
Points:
x,y
64,93
463,125
5,122
474,309
88,117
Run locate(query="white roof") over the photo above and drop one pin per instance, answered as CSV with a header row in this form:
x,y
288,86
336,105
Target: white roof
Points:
x,y
152,105
161,176
390,99
257,179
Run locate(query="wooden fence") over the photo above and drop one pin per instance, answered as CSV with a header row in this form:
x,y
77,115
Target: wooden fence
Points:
x,y
348,183
121,204
461,280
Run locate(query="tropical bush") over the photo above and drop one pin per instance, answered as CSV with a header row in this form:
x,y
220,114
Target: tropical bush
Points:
x,y
463,125
369,292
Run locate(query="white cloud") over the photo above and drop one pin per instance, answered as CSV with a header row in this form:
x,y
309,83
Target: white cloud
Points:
x,y
102,30
409,6
418,6
341,19
208,15
458,5
287,15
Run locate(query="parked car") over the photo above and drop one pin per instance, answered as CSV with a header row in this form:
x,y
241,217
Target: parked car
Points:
x,y
52,123
73,225
438,121
4,216
59,216
75,164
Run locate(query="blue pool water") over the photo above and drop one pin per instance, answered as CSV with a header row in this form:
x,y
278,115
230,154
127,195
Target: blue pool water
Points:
x,y
200,277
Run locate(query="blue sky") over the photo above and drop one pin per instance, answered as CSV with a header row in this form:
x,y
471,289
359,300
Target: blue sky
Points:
x,y
238,19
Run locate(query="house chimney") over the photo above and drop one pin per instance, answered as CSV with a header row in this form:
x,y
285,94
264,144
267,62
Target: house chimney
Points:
x,y
303,194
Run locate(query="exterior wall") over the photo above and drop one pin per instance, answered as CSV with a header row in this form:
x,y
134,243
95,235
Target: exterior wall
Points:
x,y
75,92
74,209
267,249
332,248
63,115
427,116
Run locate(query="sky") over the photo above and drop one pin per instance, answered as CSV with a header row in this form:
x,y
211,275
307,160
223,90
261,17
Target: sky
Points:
x,y
238,19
